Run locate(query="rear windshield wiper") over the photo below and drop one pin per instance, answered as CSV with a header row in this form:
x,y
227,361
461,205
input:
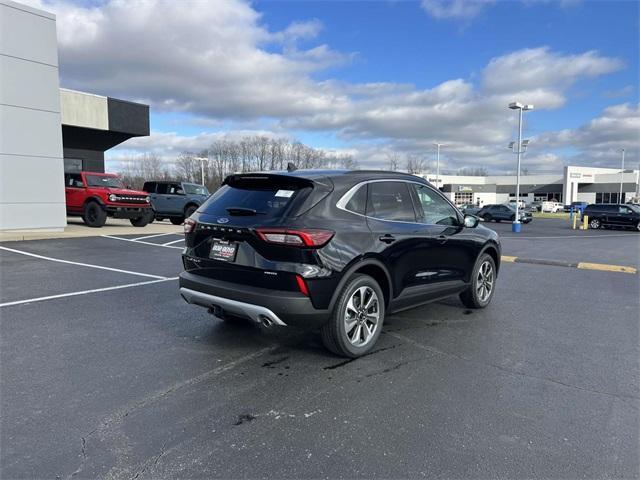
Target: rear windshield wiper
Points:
x,y
243,211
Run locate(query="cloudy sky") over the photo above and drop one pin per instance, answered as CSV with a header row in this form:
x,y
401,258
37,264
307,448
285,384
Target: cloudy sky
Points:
x,y
368,78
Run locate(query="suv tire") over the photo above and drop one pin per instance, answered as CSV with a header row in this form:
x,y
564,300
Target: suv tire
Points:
x,y
142,221
94,215
350,332
488,218
189,211
176,220
483,283
595,223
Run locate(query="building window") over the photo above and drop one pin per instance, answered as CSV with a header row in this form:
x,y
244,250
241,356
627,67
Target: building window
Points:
x,y
606,197
72,165
462,198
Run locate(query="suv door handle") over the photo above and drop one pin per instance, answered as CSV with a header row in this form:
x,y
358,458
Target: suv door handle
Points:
x,y
387,238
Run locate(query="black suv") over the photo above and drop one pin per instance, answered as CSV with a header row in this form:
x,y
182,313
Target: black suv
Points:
x,y
613,215
337,250
497,213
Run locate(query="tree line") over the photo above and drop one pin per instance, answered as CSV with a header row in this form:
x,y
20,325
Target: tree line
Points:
x,y
258,153
226,156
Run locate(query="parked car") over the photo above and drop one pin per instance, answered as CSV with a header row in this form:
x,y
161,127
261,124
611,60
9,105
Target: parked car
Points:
x,y
535,207
576,207
470,208
613,215
96,196
552,207
175,200
522,205
338,250
498,213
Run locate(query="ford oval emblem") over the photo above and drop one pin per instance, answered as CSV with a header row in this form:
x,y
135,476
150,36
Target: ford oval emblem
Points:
x,y
223,220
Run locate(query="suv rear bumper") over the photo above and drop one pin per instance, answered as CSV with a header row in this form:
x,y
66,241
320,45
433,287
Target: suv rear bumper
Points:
x,y
279,307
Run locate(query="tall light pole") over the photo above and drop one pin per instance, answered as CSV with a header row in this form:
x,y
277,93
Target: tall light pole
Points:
x,y
520,107
621,178
438,145
202,161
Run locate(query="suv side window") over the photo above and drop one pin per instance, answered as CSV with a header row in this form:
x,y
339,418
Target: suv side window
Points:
x,y
162,188
73,180
175,188
358,202
149,187
432,208
623,209
390,201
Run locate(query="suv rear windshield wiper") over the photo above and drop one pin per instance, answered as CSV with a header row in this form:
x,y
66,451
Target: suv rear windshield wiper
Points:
x,y
243,211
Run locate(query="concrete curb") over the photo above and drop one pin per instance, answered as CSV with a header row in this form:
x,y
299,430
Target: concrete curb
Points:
x,y
603,267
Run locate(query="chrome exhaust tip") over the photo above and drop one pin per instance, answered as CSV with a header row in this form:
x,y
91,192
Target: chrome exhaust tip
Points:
x,y
266,321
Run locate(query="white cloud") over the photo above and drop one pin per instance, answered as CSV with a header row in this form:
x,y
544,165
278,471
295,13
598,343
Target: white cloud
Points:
x,y
600,140
218,62
457,9
540,68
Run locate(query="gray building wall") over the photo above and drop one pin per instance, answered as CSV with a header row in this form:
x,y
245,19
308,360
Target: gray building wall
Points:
x,y
31,165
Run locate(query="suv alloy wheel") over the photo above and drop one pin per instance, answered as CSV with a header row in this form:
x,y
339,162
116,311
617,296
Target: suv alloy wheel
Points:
x,y
483,281
594,223
357,318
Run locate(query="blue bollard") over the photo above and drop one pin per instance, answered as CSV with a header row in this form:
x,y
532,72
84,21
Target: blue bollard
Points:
x,y
516,227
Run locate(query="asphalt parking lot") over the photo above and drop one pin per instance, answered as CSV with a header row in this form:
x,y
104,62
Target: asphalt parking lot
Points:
x,y
106,372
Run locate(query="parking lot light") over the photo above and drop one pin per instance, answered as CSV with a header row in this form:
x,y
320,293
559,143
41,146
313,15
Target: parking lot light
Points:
x,y
620,200
521,148
438,145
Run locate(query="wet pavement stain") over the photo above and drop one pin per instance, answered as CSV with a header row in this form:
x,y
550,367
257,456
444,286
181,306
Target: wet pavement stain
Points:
x,y
275,362
244,418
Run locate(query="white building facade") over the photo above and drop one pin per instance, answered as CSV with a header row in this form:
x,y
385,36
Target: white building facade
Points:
x,y
576,184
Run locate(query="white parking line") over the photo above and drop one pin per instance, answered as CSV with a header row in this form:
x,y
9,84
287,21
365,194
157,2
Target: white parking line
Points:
x,y
170,243
563,236
140,241
85,292
100,267
158,235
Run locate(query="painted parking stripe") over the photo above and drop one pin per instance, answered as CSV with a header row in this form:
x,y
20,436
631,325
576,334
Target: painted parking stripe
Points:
x,y
581,265
171,243
514,237
140,241
85,292
157,235
606,268
79,264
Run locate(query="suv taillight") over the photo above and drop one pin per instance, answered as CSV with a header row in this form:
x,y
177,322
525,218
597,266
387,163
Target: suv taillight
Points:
x,y
189,225
304,237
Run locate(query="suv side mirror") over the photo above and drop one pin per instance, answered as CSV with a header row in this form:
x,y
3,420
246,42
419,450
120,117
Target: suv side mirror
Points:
x,y
470,221
180,191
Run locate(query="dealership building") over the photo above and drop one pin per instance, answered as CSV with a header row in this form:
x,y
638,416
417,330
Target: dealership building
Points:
x,y
575,184
46,130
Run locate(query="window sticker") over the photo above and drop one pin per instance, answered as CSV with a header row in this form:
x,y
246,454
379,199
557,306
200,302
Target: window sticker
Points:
x,y
284,193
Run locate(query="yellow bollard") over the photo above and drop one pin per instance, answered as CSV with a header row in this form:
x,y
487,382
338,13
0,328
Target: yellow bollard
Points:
x,y
575,220
585,225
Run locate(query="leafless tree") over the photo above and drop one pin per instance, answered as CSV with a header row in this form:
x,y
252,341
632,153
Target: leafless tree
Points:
x,y
393,159
247,154
415,164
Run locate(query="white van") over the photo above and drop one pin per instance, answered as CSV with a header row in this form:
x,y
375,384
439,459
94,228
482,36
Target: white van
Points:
x,y
552,207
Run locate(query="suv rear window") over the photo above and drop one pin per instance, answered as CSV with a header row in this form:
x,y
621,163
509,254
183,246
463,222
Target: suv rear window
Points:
x,y
264,200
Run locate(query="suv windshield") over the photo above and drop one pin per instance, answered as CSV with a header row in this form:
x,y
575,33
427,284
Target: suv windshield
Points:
x,y
103,181
247,200
193,189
